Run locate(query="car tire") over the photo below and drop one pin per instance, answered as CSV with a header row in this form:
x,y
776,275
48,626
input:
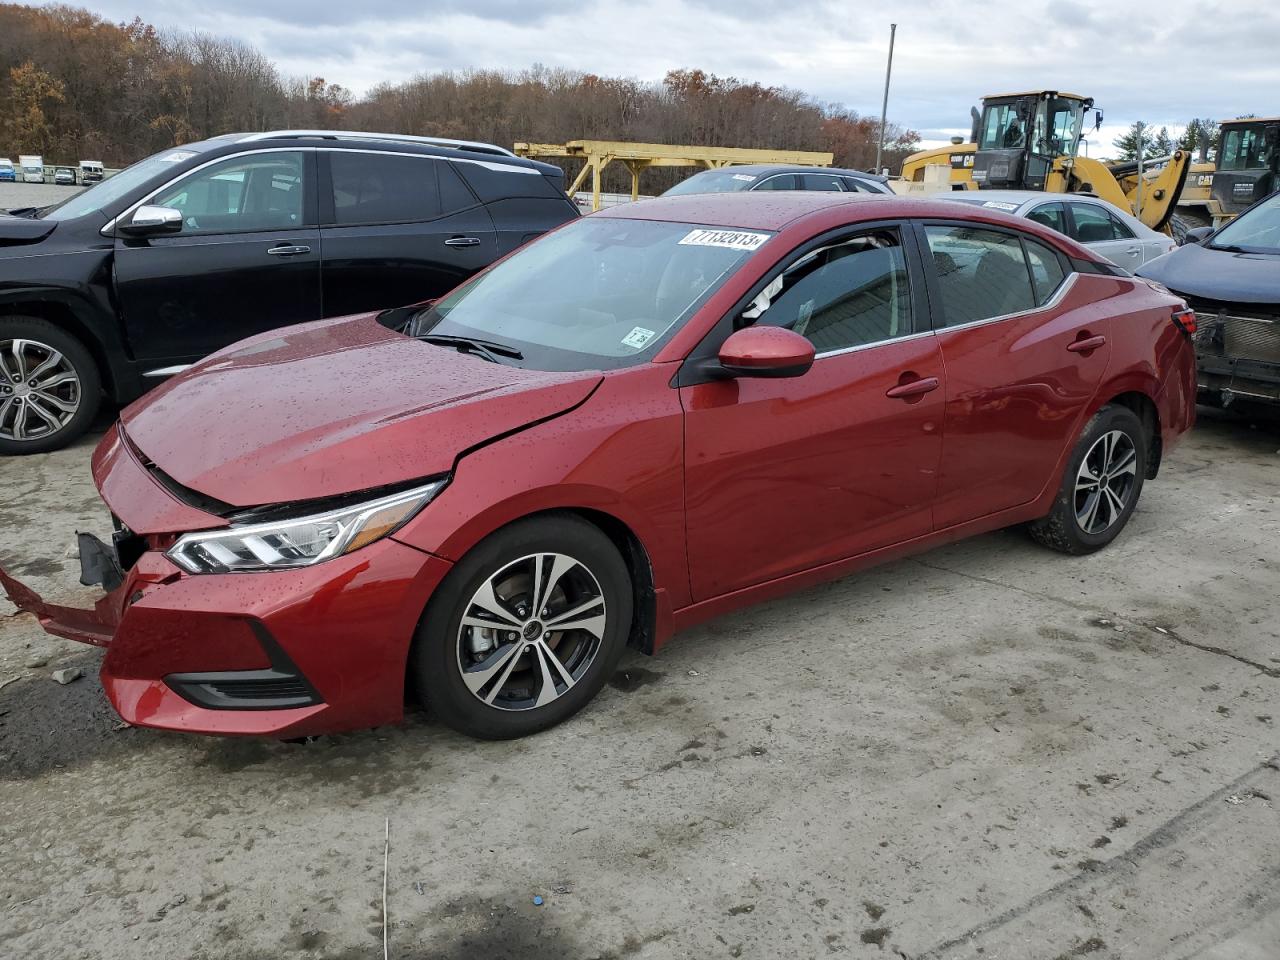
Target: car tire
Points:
x,y
58,414
1100,486
491,682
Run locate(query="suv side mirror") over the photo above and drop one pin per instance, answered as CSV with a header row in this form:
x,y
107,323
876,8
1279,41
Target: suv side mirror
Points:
x,y
766,352
1198,235
148,221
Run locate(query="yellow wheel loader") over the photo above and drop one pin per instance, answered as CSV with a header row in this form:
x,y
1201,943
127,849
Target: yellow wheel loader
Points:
x,y
1031,141
1246,169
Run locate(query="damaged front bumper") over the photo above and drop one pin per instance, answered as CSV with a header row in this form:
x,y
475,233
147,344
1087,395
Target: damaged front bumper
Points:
x,y
286,653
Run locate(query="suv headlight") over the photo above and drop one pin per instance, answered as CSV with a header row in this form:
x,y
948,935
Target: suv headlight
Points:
x,y
300,542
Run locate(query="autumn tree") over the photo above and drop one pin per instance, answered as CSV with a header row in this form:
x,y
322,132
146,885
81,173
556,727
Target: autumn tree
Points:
x,y
29,94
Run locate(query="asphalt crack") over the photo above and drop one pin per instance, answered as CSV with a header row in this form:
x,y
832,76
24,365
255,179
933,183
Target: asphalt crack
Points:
x,y
1154,629
1130,860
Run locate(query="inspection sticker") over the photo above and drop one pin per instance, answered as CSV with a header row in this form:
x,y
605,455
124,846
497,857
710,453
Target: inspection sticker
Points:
x,y
733,239
1001,205
744,177
638,337
177,156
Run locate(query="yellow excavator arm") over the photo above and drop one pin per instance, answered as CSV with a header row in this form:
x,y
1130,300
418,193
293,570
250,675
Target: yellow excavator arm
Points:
x,y
1118,184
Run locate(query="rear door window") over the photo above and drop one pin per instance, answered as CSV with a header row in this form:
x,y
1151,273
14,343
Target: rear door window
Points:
x,y
1051,215
1093,224
783,181
828,182
982,274
383,188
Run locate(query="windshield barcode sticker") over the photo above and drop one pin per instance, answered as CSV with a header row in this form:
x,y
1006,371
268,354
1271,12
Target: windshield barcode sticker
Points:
x,y
744,177
1000,205
177,156
733,239
638,337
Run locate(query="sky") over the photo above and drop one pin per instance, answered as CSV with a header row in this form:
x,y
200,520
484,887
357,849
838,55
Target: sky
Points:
x,y
1160,61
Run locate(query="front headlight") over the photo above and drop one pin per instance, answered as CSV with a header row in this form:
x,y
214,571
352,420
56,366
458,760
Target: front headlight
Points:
x,y
280,545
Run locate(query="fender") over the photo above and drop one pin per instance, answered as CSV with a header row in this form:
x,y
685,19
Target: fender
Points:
x,y
628,465
85,310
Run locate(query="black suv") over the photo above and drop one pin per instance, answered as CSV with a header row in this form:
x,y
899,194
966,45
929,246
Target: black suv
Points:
x,y
199,246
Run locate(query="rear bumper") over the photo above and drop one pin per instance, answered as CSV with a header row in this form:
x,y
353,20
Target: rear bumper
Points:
x,y
292,653
1226,379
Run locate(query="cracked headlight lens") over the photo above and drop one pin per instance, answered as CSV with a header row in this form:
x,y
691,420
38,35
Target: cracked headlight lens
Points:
x,y
300,542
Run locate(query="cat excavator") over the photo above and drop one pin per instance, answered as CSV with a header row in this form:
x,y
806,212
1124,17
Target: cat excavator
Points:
x,y
1031,141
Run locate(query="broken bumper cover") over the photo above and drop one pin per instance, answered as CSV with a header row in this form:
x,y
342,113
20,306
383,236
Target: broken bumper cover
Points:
x,y
289,653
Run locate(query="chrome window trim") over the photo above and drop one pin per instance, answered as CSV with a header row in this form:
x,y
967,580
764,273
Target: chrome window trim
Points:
x,y
1053,301
109,227
500,167
875,343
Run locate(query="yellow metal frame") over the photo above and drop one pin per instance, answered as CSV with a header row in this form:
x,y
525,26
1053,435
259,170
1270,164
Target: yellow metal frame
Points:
x,y
637,157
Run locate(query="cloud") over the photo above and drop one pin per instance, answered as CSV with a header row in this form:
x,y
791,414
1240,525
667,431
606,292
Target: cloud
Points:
x,y
1160,61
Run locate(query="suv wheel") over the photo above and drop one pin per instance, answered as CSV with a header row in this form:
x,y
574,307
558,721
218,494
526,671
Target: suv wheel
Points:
x,y
50,388
525,630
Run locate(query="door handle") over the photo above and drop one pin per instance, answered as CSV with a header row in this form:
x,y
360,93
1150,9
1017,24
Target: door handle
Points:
x,y
913,388
462,242
1133,251
1085,344
288,250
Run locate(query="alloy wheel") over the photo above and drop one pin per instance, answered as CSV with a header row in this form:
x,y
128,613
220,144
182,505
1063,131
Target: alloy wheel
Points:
x,y
1105,481
39,390
531,631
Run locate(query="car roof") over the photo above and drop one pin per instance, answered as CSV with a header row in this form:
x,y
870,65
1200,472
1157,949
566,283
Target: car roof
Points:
x,y
774,210
1025,199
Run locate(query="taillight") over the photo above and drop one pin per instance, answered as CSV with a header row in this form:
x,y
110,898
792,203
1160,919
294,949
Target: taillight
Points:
x,y
1185,320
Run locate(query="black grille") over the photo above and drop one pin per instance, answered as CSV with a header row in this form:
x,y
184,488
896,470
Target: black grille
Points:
x,y
279,687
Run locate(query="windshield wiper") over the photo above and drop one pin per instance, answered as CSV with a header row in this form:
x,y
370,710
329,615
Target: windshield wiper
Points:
x,y
485,348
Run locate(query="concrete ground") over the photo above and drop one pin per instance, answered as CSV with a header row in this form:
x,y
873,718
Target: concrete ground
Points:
x,y
987,751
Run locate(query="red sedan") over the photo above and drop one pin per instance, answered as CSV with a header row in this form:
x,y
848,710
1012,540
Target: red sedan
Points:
x,y
649,417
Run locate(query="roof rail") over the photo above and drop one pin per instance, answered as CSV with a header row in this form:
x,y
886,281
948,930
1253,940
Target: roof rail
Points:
x,y
474,146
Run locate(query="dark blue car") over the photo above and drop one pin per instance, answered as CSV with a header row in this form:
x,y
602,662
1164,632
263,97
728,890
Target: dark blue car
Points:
x,y
1231,278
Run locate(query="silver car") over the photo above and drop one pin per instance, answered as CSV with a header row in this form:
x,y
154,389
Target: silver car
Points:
x,y
1116,234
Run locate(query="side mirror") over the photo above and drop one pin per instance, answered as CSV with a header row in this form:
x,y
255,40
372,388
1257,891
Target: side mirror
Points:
x,y
1198,235
148,221
766,352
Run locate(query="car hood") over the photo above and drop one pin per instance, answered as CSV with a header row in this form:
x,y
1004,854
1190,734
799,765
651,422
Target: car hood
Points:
x,y
334,407
18,230
1198,271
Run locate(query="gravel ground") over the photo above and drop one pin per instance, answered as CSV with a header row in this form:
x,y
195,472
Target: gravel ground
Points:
x,y
986,751
14,195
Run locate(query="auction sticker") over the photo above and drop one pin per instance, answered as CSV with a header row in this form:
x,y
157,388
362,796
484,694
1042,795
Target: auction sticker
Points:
x,y
1001,205
638,337
177,156
733,239
744,177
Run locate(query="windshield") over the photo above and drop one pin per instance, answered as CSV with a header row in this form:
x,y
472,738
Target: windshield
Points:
x,y
1257,230
596,294
714,181
107,191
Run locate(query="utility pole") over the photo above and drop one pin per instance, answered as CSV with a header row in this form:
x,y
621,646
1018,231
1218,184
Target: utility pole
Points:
x,y
1142,130
884,110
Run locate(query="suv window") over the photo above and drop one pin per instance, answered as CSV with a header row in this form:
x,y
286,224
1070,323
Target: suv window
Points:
x,y
981,274
783,181
1096,225
383,187
850,292
820,181
1051,215
262,191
